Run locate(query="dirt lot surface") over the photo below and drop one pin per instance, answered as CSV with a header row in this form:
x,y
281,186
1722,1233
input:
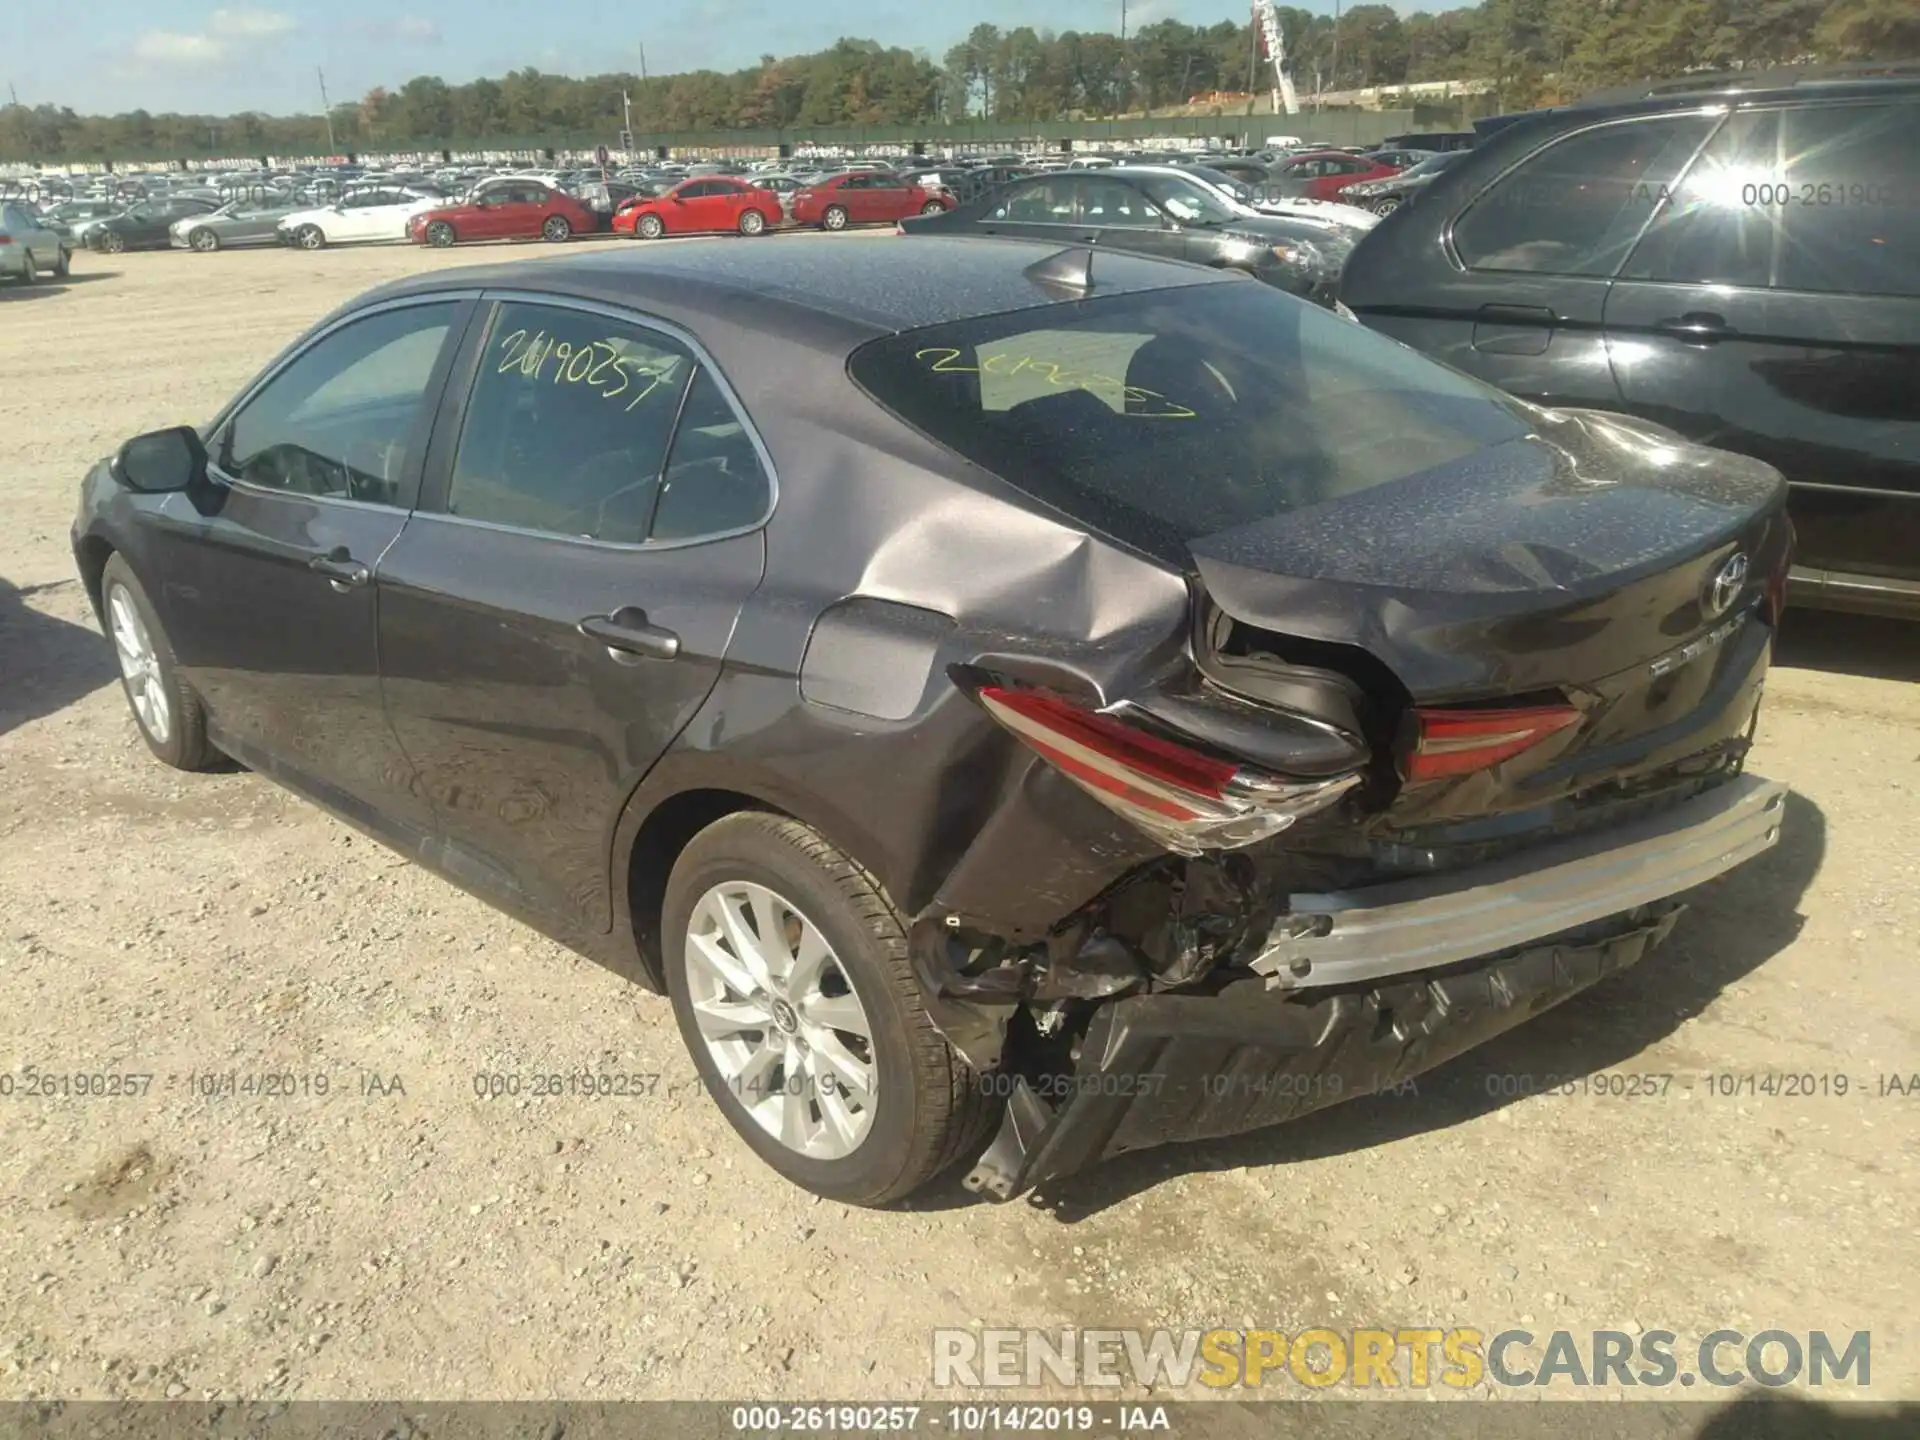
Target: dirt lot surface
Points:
x,y
407,1238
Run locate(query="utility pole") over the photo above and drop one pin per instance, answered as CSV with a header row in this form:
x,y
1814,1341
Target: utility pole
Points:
x,y
326,109
1336,44
1126,70
13,95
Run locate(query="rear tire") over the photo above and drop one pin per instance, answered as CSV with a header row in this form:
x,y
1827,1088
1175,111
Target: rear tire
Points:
x,y
557,230
933,207
440,235
752,222
925,1108
167,714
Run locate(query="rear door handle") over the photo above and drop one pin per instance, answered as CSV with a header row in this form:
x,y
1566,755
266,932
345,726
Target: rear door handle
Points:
x,y
627,632
1701,327
343,572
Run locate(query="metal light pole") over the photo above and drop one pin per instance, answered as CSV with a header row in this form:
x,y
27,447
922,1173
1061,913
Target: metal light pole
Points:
x,y
1336,45
1126,70
326,109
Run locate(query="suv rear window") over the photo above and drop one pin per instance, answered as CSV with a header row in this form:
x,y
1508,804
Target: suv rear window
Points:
x,y
1162,416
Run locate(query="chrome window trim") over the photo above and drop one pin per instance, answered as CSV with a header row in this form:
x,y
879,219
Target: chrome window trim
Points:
x,y
700,353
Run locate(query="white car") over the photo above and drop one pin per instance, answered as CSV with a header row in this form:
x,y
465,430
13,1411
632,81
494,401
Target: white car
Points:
x,y
379,213
28,249
1243,198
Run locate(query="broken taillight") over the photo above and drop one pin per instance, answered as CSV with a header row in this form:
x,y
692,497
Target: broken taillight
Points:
x,y
1457,742
1189,801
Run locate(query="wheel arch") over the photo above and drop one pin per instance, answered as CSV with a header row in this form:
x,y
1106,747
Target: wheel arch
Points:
x,y
664,815
92,554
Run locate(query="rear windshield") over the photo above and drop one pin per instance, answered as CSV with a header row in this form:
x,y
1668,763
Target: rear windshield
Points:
x,y
1166,415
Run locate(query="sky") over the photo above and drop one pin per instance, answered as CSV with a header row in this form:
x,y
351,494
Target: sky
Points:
x,y
109,56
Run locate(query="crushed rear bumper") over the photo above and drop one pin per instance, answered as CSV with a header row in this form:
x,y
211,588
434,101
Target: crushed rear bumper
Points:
x,y
1187,1066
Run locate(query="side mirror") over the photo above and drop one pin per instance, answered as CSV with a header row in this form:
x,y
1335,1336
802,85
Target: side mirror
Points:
x,y
162,461
679,199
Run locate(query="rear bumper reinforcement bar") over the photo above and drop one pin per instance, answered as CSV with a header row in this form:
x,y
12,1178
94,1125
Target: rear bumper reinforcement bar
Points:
x,y
1418,924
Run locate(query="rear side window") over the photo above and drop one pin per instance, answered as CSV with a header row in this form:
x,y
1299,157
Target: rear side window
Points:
x,y
1577,206
1712,230
571,430
1165,416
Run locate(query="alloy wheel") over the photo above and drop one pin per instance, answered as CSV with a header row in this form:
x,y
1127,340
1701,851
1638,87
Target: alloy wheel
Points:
x,y
311,237
781,1020
652,227
752,222
139,666
556,229
835,218
204,240
1386,205
115,242
440,234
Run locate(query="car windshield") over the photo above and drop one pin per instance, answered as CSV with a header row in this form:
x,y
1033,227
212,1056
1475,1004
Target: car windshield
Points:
x,y
1188,201
1237,189
1163,416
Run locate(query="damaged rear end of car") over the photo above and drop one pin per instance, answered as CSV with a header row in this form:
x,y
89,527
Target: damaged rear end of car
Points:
x,y
1461,705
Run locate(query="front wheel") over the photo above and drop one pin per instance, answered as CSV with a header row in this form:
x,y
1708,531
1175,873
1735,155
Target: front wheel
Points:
x,y
789,977
557,229
115,243
1386,205
310,237
166,712
440,234
204,240
651,227
835,218
752,222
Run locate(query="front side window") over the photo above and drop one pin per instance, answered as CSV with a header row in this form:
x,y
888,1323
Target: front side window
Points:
x,y
338,419
1168,415
1850,211
1576,207
569,424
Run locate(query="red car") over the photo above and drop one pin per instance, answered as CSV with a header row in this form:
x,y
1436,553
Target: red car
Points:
x,y
707,202
862,197
519,210
1323,174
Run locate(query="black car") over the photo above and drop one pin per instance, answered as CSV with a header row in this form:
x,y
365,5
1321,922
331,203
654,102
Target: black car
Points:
x,y
1160,213
1018,716
147,225
1740,265
1383,197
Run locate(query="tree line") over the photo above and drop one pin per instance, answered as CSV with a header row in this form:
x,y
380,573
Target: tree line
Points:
x,y
1533,51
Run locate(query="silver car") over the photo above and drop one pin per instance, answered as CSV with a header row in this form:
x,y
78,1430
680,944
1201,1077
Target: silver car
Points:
x,y
28,249
238,222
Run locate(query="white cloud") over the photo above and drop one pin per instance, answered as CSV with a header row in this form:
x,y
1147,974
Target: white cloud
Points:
x,y
226,32
421,32
246,24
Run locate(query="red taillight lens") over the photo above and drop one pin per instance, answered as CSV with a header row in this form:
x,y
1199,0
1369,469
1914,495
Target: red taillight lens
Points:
x,y
1110,755
1190,802
5,239
1457,742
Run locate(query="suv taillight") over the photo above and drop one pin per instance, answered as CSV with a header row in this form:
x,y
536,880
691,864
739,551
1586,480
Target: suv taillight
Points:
x,y
1458,742
1187,800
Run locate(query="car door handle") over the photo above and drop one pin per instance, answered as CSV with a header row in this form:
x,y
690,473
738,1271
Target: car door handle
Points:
x,y
1702,327
628,632
343,572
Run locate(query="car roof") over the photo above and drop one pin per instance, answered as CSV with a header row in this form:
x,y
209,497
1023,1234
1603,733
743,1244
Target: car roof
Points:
x,y
890,285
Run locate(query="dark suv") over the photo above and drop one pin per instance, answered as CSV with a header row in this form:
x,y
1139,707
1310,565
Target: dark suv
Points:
x,y
1740,265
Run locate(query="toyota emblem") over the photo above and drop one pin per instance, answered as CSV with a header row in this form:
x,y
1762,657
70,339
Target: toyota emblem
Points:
x,y
1727,584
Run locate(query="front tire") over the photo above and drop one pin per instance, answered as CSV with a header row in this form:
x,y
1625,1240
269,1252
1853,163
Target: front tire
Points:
x,y
1386,204
167,714
650,227
310,237
557,230
790,980
114,243
835,218
204,240
440,235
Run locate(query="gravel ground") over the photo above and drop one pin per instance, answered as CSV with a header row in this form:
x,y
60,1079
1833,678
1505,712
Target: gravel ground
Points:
x,y
400,1236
